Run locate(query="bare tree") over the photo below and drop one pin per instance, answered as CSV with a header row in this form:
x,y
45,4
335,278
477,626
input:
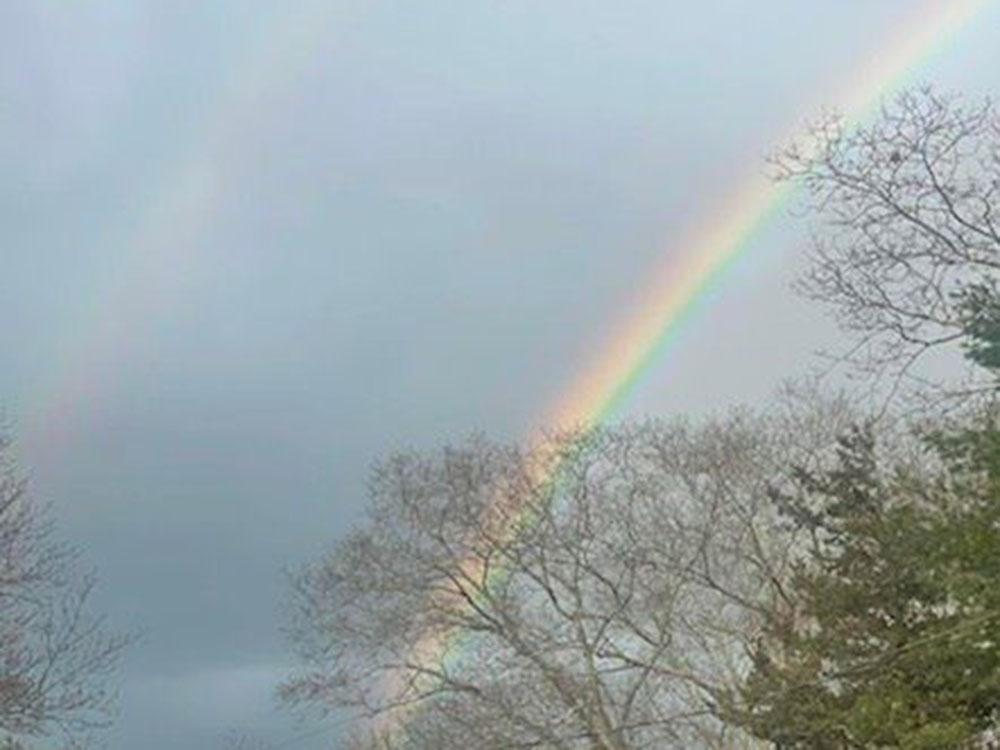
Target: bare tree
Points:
x,y
910,207
593,591
56,657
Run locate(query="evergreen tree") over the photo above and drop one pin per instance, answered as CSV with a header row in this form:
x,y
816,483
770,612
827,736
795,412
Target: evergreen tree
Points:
x,y
889,635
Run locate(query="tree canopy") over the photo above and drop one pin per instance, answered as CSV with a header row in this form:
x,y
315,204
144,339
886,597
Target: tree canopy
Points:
x,y
593,591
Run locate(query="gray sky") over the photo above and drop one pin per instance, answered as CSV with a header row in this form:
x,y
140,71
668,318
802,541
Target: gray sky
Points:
x,y
249,247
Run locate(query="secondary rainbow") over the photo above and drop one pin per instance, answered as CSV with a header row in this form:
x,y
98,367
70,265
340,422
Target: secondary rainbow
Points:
x,y
162,249
700,261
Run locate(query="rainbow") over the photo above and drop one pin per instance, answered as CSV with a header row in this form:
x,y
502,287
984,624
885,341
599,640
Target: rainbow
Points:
x,y
707,252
